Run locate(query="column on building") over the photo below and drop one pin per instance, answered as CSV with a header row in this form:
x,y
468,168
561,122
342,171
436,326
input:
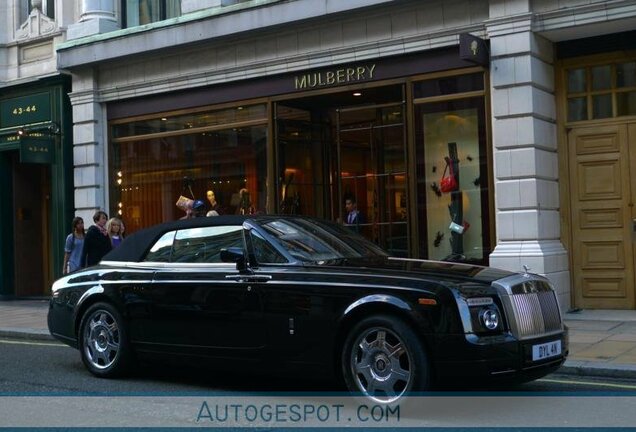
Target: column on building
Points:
x,y
96,16
89,154
525,152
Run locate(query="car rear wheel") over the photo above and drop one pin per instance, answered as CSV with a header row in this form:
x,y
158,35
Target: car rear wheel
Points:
x,y
103,341
383,359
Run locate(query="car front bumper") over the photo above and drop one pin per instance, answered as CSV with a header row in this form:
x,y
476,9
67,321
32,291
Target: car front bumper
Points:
x,y
496,358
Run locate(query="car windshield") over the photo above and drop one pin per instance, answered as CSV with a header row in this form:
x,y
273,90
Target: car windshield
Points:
x,y
310,240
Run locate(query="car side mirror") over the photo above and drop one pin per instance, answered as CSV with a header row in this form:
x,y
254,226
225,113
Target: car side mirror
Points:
x,y
235,255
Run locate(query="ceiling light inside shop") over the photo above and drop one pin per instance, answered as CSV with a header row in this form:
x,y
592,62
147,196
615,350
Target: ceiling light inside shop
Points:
x,y
357,94
164,119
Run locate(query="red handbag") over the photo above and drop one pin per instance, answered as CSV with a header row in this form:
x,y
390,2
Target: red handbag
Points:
x,y
448,183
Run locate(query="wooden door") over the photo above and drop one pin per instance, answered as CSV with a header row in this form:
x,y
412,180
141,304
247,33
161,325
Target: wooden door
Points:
x,y
31,228
602,204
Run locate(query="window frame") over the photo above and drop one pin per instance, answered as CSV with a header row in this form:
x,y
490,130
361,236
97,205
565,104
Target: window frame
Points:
x,y
589,92
25,9
173,236
162,12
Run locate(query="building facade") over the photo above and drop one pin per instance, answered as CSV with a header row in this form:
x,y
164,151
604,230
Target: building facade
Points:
x,y
510,148
36,163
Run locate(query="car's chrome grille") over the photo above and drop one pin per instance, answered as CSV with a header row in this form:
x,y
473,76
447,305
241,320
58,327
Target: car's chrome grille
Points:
x,y
534,314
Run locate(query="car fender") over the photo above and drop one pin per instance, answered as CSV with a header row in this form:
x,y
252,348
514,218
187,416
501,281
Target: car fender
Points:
x,y
383,303
83,303
378,298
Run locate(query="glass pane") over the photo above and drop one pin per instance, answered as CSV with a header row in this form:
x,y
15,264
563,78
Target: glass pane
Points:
x,y
626,103
204,245
626,75
576,81
149,175
449,85
264,252
160,251
577,109
190,121
602,106
301,183
601,77
373,177
453,224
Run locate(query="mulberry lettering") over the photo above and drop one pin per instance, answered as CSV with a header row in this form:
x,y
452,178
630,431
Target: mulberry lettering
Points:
x,y
334,77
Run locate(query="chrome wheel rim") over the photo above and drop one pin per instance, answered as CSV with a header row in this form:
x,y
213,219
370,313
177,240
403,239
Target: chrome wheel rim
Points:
x,y
101,339
381,365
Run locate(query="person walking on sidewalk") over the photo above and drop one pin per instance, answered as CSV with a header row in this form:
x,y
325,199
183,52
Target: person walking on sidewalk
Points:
x,y
73,246
96,243
115,230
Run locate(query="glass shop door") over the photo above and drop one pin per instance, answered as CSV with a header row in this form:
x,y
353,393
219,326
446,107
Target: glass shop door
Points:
x,y
370,167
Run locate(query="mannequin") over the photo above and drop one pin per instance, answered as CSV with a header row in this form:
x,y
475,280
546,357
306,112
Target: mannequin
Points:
x,y
245,205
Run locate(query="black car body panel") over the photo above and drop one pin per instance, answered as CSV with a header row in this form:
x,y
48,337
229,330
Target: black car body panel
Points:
x,y
296,314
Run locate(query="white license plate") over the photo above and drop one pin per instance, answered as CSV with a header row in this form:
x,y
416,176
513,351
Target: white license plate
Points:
x,y
546,350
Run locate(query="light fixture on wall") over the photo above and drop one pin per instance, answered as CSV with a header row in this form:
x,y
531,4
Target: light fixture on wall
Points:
x,y
54,128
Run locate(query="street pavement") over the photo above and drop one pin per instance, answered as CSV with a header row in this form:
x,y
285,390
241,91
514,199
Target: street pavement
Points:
x,y
602,342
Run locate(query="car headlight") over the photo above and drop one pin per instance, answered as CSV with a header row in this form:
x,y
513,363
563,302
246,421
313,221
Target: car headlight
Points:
x,y
485,316
489,318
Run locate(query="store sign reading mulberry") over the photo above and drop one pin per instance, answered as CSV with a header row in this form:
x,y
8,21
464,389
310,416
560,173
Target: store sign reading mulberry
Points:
x,y
333,77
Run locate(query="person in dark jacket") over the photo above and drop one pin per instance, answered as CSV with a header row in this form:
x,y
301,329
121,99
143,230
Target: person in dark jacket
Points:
x,y
96,242
354,217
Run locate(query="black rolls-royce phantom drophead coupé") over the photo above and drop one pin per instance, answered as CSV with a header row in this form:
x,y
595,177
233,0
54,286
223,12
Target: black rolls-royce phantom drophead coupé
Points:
x,y
301,294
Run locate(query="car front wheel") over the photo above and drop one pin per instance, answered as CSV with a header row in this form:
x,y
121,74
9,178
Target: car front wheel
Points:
x,y
103,341
383,359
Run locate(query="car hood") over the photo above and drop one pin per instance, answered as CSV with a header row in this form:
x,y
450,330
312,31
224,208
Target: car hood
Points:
x,y
436,270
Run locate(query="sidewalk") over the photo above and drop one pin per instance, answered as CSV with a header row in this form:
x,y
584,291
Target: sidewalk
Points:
x,y
602,342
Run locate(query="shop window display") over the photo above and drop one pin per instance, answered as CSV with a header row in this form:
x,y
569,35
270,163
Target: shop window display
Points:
x,y
225,169
300,183
452,200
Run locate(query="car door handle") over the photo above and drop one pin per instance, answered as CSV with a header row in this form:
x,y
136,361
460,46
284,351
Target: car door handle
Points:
x,y
249,278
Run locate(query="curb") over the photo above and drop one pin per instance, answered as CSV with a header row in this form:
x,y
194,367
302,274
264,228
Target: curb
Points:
x,y
597,369
26,334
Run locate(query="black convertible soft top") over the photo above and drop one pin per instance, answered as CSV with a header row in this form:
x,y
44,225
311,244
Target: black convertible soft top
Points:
x,y
135,246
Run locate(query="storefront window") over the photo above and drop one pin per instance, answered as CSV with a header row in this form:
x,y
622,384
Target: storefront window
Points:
x,y
370,147
452,194
348,147
301,180
224,166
